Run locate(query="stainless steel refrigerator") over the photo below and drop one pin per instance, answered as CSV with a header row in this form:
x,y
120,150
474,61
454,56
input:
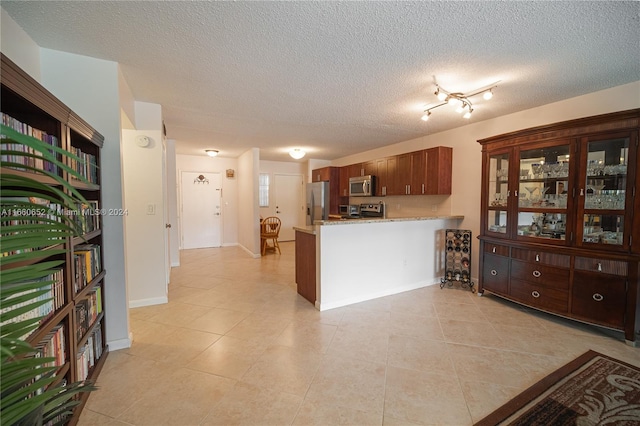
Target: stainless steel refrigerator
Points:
x,y
317,201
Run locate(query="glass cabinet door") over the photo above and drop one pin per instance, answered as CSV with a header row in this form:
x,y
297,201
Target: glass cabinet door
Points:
x,y
543,184
603,192
498,193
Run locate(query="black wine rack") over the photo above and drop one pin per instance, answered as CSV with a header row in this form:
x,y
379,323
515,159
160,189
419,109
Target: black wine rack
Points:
x,y
458,259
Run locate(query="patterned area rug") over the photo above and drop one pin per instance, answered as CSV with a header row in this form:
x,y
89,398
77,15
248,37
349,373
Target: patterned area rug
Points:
x,y
593,389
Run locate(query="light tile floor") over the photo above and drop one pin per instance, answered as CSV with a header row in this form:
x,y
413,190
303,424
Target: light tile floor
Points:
x,y
237,345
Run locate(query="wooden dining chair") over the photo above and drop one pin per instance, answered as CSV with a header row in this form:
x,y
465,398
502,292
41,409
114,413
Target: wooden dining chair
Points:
x,y
270,230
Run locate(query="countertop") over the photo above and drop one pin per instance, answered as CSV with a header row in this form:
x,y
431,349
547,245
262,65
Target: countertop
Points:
x,y
311,229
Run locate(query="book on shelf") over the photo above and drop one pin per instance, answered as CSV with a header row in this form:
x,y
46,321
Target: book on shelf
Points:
x,y
29,211
87,264
87,311
89,353
53,345
18,150
86,166
52,294
87,216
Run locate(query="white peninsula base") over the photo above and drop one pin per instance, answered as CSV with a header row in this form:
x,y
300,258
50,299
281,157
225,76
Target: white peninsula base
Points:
x,y
358,260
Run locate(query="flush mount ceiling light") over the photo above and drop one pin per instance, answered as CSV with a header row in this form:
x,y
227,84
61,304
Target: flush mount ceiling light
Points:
x,y
297,153
459,100
211,152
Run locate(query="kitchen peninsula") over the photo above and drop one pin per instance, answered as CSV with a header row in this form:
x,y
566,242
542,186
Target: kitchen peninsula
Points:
x,y
341,262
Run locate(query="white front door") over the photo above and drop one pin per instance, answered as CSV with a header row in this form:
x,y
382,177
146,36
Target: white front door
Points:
x,y
289,205
201,216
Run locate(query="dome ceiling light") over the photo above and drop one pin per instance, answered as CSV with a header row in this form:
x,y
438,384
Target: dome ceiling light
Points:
x,y
297,153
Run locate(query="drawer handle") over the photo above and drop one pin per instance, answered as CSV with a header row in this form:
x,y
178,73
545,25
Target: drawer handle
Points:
x,y
494,249
537,258
494,272
536,274
599,267
535,294
598,297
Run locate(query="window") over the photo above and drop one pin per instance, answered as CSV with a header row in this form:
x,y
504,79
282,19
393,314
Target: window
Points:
x,y
264,189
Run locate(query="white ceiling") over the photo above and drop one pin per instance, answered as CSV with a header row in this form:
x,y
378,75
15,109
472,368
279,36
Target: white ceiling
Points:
x,y
338,78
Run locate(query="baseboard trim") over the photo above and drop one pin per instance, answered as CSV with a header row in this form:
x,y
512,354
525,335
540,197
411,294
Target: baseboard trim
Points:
x,y
148,302
388,292
115,345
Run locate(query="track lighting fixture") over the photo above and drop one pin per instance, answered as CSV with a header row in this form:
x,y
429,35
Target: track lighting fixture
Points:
x,y
459,100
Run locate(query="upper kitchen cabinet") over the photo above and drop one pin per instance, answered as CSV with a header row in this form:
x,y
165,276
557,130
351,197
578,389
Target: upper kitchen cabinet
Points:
x,y
425,172
411,173
438,170
333,176
322,175
387,183
347,172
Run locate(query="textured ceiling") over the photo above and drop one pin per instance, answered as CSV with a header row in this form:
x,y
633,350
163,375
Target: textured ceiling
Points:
x,y
337,78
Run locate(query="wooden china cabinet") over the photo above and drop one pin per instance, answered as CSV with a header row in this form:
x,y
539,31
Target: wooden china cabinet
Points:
x,y
560,224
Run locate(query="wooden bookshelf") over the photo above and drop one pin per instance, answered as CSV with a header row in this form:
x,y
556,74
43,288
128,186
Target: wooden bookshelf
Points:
x,y
26,101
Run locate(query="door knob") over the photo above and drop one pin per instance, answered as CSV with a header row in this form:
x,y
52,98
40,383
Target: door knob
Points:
x,y
168,225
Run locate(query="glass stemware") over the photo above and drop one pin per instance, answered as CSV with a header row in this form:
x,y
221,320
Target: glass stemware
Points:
x,y
537,170
531,190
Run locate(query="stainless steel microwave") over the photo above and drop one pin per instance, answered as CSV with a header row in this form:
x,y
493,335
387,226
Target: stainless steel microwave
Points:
x,y
362,186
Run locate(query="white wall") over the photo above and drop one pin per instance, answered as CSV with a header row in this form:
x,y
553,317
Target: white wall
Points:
x,y
467,159
248,212
204,163
127,102
90,87
144,202
18,46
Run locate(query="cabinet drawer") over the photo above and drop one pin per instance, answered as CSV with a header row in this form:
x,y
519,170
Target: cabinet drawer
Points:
x,y
593,264
551,299
496,249
495,273
547,276
553,259
599,298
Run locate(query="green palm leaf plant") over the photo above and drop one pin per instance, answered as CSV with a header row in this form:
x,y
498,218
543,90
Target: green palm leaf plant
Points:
x,y
32,239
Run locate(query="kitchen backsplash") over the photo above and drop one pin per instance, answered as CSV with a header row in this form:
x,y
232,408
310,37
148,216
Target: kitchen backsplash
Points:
x,y
411,206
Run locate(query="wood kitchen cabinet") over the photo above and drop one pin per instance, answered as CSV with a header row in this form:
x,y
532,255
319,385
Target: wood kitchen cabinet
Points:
x,y
306,265
346,172
560,220
387,183
438,170
331,175
410,173
424,172
370,168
